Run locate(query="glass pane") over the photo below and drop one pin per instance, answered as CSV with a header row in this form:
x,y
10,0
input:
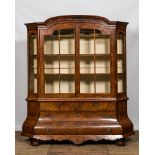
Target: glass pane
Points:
x,y
32,82
67,41
51,64
59,49
120,45
67,83
51,83
86,64
102,44
67,64
86,83
102,84
120,85
51,44
103,64
86,43
94,62
33,45
120,62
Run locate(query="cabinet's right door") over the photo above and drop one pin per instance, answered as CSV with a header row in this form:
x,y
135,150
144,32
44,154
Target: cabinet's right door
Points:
x,y
95,61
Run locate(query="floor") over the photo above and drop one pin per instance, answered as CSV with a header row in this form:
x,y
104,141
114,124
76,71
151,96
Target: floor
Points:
x,y
23,147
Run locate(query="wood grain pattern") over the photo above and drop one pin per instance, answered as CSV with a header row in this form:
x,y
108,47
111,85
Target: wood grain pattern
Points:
x,y
78,117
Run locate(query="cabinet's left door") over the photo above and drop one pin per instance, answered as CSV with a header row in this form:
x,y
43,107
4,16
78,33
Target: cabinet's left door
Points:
x,y
32,64
59,62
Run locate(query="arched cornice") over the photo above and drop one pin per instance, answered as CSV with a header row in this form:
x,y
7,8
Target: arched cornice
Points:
x,y
75,18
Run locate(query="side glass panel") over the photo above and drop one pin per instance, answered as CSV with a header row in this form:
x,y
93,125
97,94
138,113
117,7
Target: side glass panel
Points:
x,y
32,77
59,67
94,62
120,69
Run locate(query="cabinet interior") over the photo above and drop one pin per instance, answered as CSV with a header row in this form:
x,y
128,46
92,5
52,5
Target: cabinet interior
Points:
x,y
59,62
32,58
120,64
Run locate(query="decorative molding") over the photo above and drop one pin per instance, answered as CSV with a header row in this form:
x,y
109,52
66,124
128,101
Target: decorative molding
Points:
x,y
74,18
78,139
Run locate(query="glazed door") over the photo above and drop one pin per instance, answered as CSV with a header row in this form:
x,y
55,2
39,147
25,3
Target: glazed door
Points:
x,y
59,61
95,61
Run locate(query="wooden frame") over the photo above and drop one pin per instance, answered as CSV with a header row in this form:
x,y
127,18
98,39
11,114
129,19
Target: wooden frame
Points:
x,y
77,116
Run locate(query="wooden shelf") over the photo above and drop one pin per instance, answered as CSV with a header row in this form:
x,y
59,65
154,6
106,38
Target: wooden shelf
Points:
x,y
85,74
33,55
91,36
61,36
73,55
96,55
81,55
57,55
82,76
74,67
70,57
120,56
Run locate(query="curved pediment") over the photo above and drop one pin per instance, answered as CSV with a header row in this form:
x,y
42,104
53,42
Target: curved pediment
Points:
x,y
79,18
74,18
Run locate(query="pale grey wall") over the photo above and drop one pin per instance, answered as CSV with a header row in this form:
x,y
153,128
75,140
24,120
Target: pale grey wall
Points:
x,y
40,10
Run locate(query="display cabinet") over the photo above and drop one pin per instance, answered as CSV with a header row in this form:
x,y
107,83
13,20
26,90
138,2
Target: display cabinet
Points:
x,y
77,80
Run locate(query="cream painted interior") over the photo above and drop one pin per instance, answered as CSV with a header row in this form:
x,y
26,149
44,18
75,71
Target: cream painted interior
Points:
x,y
120,83
52,85
33,64
102,46
119,66
87,86
67,64
103,86
120,45
35,85
67,45
120,87
33,45
87,45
